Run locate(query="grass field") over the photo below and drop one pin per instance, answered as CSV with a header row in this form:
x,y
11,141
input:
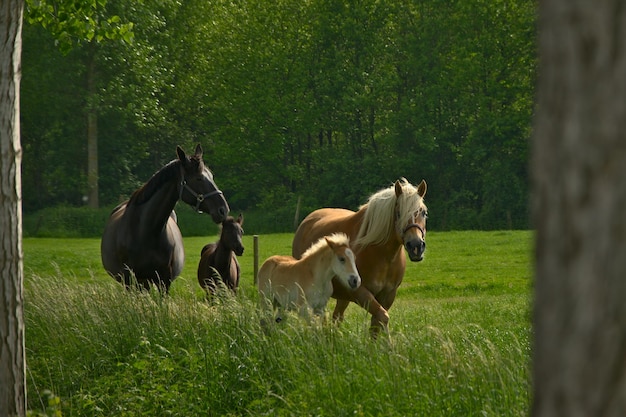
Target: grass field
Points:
x,y
458,343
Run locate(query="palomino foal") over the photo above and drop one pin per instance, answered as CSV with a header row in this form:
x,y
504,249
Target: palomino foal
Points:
x,y
293,284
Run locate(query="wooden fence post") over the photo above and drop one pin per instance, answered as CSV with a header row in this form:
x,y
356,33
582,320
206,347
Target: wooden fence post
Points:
x,y
255,240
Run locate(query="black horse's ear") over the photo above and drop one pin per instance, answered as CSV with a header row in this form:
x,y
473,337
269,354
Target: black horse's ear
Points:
x,y
181,154
240,219
199,151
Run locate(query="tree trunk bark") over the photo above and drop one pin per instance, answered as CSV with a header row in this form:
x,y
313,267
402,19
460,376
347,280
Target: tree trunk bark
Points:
x,y
579,210
12,359
92,134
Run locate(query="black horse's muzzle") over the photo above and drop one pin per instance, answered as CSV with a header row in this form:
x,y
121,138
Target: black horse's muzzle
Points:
x,y
217,206
221,213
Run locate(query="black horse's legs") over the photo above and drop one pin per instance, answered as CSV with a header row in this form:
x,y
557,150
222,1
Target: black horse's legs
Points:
x,y
165,287
162,280
128,278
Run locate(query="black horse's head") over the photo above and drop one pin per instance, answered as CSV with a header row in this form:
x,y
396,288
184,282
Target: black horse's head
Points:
x,y
197,187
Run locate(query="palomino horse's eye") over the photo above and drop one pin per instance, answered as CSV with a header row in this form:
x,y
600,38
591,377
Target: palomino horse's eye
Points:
x,y
342,260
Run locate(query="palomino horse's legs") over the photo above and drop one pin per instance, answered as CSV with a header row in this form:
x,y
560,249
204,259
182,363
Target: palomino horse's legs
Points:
x,y
340,308
380,318
365,299
386,299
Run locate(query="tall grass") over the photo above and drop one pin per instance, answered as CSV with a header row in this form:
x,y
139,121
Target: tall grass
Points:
x,y
107,352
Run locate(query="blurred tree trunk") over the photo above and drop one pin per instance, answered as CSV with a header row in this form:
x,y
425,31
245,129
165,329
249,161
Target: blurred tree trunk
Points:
x,y
92,131
12,359
579,210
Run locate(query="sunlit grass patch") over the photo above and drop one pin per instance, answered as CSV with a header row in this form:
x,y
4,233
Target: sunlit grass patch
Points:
x,y
105,351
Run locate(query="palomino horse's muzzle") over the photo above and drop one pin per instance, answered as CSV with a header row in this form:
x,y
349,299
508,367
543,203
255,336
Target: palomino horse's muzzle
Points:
x,y
416,245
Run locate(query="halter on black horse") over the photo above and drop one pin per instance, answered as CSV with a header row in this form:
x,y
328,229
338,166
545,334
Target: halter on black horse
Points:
x,y
199,197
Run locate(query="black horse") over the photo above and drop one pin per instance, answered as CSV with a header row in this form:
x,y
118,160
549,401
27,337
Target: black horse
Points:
x,y
141,238
218,262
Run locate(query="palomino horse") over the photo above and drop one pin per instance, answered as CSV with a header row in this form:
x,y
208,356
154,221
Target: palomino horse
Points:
x,y
393,218
141,237
294,284
220,257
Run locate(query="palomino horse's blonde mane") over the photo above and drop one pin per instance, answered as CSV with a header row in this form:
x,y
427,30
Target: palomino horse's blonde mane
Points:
x,y
378,223
336,238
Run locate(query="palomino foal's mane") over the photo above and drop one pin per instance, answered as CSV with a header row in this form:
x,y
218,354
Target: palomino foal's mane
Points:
x,y
320,244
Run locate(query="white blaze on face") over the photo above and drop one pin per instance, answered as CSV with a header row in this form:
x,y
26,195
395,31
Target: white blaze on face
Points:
x,y
349,273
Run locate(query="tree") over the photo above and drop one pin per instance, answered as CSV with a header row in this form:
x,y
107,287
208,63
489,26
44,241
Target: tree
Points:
x,y
579,155
12,357
295,95
73,23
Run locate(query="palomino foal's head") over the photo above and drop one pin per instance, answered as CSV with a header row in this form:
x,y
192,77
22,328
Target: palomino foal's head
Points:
x,y
343,263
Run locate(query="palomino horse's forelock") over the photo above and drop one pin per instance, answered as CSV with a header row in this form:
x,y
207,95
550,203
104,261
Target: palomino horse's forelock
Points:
x,y
385,211
409,207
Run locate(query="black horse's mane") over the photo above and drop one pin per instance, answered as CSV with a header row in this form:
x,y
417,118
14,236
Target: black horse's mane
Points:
x,y
146,191
167,173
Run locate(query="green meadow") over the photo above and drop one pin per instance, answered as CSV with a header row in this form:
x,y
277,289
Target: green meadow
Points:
x,y
458,341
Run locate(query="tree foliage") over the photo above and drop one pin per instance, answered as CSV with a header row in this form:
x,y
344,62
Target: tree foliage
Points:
x,y
78,21
325,100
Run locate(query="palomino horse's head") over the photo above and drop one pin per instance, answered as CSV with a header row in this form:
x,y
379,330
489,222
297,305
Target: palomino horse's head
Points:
x,y
232,233
343,264
197,187
411,215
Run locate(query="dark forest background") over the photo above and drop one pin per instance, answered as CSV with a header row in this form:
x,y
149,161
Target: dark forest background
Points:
x,y
318,101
